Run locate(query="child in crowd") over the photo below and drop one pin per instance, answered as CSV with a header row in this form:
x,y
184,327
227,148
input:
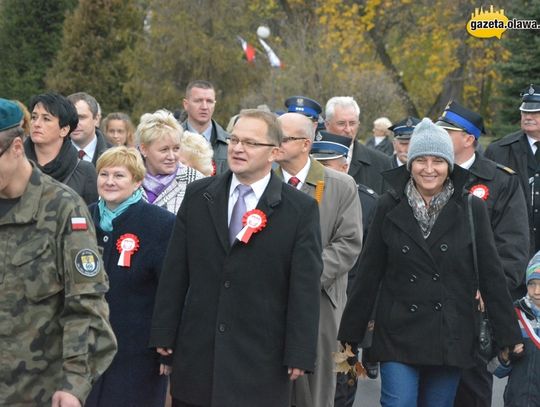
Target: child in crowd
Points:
x,y
523,365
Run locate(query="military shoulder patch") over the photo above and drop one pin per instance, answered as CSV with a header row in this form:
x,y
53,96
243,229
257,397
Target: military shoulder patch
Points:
x,y
79,223
87,263
506,169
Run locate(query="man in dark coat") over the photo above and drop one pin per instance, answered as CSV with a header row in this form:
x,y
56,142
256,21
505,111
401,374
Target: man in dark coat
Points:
x,y
520,152
365,165
239,311
199,104
499,187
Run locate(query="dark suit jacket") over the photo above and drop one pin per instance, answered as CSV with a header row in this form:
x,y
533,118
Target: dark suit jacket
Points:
x,y
101,146
367,165
386,147
238,316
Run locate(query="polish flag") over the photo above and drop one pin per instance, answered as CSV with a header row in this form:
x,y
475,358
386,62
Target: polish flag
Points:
x,y
79,223
272,57
248,50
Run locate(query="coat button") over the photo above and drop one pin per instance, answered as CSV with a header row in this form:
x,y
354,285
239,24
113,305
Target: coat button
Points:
x,y
436,277
105,239
405,249
413,278
227,284
413,307
444,247
437,306
222,328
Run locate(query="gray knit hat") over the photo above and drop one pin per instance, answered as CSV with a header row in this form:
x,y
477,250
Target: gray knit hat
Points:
x,y
429,139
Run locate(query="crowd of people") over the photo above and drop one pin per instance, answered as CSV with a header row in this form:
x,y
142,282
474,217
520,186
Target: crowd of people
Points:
x,y
176,263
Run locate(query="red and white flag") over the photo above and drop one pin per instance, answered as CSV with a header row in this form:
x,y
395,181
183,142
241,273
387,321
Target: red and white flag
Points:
x,y
272,57
249,50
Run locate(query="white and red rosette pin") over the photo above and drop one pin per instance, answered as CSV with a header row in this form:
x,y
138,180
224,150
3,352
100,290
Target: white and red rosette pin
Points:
x,y
254,221
126,245
480,191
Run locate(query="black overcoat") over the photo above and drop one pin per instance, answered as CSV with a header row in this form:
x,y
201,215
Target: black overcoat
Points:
x,y
426,308
238,316
367,165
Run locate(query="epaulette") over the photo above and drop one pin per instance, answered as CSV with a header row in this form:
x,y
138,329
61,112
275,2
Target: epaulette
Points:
x,y
506,169
367,190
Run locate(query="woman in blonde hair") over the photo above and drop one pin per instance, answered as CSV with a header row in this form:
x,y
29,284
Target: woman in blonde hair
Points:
x,y
196,152
118,129
133,236
159,137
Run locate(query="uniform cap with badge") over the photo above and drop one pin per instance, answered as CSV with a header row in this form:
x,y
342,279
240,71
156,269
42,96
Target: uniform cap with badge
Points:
x,y
10,114
457,117
328,146
531,99
303,105
403,129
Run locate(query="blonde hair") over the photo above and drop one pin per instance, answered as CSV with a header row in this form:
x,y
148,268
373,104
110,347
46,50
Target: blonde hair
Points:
x,y
123,156
154,126
197,152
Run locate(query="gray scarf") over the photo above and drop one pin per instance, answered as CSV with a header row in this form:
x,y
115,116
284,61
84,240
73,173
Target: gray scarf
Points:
x,y
426,216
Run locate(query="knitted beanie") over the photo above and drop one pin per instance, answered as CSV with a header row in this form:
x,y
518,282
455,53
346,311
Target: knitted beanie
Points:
x,y
533,268
429,139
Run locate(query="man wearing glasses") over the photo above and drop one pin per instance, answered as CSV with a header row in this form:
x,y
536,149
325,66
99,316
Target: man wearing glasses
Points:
x,y
238,298
55,337
342,115
341,233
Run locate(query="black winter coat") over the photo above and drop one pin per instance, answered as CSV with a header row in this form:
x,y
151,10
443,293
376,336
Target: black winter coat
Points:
x,y
426,311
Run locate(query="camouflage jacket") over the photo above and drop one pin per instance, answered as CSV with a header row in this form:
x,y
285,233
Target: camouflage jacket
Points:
x,y
54,328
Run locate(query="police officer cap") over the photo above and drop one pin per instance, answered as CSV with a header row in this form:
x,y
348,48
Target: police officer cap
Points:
x,y
531,99
457,117
328,146
303,105
403,129
10,114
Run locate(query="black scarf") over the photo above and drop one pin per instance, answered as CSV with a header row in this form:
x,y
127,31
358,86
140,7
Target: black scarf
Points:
x,y
62,166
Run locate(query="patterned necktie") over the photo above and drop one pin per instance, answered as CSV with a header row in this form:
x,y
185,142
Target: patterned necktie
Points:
x,y
238,212
293,181
81,154
537,153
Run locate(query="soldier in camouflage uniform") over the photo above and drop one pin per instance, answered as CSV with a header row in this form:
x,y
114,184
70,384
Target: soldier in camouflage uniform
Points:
x,y
55,337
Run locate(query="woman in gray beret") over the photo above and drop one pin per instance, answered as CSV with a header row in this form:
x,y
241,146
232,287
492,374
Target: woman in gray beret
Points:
x,y
417,271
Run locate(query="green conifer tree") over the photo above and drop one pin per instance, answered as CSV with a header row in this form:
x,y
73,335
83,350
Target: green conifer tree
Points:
x,y
97,35
30,34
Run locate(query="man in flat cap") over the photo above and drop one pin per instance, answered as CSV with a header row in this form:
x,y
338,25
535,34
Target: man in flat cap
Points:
x,y
365,165
55,337
521,152
341,233
499,187
402,136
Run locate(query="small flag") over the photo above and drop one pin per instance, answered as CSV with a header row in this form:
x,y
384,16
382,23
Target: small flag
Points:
x,y
248,50
79,224
272,57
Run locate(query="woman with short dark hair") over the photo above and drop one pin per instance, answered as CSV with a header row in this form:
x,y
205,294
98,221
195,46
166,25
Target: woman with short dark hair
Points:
x,y
53,118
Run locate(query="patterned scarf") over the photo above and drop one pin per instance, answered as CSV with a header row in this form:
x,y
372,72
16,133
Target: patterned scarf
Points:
x,y
106,215
427,215
156,184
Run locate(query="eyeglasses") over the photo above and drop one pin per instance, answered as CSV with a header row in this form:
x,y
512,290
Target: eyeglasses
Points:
x,y
248,143
287,139
7,147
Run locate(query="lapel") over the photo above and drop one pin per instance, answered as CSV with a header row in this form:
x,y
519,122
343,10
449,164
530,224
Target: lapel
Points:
x,y
217,201
445,221
355,165
271,196
314,175
401,216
